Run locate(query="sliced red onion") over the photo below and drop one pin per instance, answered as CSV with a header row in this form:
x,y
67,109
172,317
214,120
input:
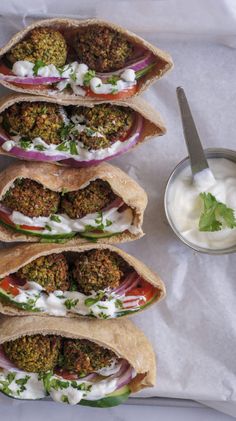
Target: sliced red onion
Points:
x,y
131,304
135,65
33,80
5,210
5,362
132,285
32,155
3,135
41,156
126,283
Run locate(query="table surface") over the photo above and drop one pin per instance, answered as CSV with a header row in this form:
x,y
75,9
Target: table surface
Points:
x,y
122,413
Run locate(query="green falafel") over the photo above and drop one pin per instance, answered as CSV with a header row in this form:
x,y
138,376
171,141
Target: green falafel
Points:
x,y
96,270
45,44
34,119
31,198
83,356
35,354
93,198
111,121
102,49
51,272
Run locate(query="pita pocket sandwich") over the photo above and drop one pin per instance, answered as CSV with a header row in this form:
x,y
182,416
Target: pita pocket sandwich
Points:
x,y
74,361
93,59
91,281
50,203
84,134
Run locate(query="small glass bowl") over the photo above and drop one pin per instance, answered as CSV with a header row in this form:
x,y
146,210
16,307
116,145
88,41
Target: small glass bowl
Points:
x,y
210,153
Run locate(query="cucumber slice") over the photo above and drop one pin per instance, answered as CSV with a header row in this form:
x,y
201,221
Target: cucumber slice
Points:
x,y
144,71
114,399
9,299
46,237
60,238
97,235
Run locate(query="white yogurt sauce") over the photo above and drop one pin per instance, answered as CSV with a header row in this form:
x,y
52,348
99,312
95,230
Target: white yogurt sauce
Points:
x,y
33,387
59,303
112,220
75,74
185,205
83,154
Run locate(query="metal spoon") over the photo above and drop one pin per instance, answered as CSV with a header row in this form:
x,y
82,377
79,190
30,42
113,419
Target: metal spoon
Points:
x,y
197,157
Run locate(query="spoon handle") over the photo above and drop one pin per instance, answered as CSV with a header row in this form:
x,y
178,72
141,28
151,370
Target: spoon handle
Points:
x,y
196,153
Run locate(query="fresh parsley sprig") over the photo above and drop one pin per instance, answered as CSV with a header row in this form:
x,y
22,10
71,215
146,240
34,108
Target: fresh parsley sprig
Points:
x,y
215,215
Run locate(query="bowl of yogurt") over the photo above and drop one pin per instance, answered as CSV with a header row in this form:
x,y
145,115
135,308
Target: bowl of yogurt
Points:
x,y
202,211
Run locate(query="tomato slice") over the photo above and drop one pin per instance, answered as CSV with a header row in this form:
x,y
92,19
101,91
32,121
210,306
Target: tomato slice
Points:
x,y
5,218
144,289
29,228
5,70
7,284
119,95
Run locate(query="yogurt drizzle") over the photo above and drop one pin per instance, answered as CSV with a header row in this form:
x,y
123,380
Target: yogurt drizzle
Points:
x,y
77,75
102,304
112,221
24,385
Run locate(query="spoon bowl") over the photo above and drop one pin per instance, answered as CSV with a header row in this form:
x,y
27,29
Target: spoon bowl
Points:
x,y
209,153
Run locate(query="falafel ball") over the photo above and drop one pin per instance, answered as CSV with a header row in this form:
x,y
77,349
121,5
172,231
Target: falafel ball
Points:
x,y
93,198
34,119
102,49
51,272
35,354
31,198
45,44
111,121
83,357
96,270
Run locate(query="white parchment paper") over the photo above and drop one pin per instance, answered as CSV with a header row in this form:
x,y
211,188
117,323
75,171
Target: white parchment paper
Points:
x,y
194,330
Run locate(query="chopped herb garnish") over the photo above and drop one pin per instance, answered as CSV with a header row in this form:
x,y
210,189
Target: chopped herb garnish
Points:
x,y
88,76
114,91
108,223
25,143
66,130
22,382
64,147
39,147
55,218
73,148
113,79
48,227
37,66
64,399
215,214
90,301
118,303
73,76
70,303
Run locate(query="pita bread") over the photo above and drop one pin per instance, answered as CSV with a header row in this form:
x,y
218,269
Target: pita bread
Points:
x,y
67,26
11,260
121,336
